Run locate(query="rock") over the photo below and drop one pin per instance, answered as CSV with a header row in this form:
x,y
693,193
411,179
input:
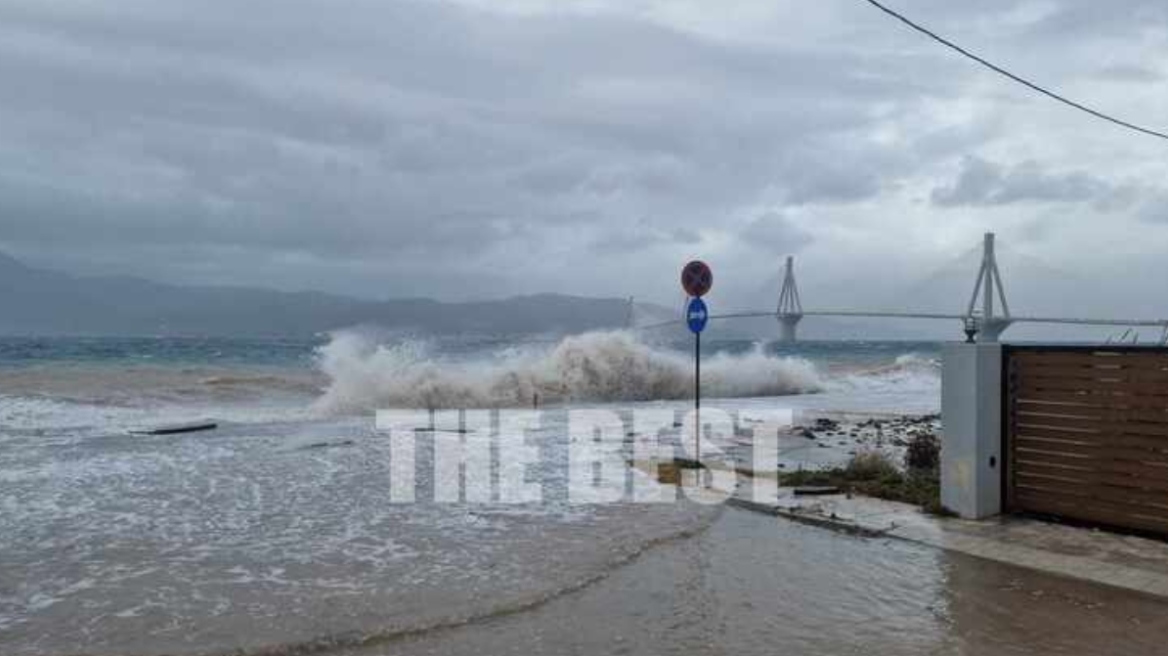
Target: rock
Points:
x,y
824,424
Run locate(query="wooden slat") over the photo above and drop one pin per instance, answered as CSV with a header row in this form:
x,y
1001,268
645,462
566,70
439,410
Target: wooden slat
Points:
x,y
1104,367
1093,510
1032,450
1066,496
1101,388
1093,399
1157,484
1074,359
1104,439
1071,418
1025,409
1097,386
1088,435
1075,390
1037,448
1099,485
1116,415
1092,449
1088,375
1117,513
1126,500
1084,428
1100,460
1094,357
1107,514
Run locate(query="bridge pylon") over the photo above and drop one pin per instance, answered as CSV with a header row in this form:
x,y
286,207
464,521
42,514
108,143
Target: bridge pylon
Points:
x,y
790,308
990,326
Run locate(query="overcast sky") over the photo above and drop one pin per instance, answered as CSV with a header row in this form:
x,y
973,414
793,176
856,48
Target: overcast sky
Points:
x,y
481,148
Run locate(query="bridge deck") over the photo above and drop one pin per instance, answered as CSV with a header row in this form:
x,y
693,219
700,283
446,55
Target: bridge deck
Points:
x,y
1160,323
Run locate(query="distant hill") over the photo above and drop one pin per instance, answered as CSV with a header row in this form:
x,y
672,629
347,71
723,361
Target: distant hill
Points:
x,y
43,302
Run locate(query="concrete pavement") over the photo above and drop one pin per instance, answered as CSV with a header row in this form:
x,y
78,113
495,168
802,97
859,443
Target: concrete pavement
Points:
x,y
1123,561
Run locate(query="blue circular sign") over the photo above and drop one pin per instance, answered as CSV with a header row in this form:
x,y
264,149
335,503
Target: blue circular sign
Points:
x,y
696,315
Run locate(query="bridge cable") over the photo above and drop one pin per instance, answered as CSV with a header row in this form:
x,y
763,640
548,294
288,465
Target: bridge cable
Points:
x,y
1021,80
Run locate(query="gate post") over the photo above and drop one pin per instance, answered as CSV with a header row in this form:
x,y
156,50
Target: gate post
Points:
x,y
971,425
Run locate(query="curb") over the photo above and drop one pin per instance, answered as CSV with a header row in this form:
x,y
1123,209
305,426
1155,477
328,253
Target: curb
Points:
x,y
836,524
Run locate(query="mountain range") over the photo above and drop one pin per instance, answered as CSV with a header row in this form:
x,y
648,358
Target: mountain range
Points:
x,y
44,302
35,301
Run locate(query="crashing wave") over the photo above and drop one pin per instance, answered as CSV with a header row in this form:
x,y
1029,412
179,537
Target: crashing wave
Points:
x,y
593,367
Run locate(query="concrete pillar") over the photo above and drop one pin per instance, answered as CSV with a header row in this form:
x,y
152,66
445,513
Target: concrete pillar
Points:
x,y
971,418
991,330
788,328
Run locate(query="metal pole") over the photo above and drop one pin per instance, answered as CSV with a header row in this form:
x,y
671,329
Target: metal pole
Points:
x,y
698,399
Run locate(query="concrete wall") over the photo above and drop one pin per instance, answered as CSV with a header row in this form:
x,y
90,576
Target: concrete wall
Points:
x,y
971,416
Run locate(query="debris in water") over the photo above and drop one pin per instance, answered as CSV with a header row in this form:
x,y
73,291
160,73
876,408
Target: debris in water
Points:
x,y
174,429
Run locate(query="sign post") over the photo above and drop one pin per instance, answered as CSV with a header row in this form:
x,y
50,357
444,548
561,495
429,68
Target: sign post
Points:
x,y
696,279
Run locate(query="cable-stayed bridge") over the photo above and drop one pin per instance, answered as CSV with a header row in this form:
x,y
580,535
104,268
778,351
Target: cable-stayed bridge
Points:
x,y
984,321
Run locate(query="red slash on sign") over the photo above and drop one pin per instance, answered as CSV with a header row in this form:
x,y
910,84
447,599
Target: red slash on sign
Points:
x,y
696,278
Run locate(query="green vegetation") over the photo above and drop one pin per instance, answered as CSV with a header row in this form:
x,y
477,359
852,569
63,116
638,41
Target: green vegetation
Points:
x,y
923,453
874,474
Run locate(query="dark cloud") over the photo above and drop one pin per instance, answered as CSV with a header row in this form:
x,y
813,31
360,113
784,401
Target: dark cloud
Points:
x,y
320,145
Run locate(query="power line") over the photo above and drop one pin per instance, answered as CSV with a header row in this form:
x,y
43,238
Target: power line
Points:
x,y
1023,81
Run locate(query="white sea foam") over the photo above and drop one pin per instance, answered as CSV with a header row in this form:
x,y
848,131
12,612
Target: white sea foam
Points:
x,y
911,384
594,367
31,413
907,373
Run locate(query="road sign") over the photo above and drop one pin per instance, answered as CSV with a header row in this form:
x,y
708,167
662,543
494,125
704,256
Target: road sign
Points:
x,y
696,278
696,315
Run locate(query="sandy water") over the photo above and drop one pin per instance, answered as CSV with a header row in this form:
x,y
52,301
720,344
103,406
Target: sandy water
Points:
x,y
273,537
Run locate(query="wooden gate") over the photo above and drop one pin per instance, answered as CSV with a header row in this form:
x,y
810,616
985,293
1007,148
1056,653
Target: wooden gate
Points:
x,y
1087,434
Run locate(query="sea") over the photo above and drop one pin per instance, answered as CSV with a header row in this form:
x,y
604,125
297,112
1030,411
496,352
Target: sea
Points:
x,y
277,533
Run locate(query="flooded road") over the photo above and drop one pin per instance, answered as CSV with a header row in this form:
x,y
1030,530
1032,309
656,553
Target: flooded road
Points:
x,y
752,584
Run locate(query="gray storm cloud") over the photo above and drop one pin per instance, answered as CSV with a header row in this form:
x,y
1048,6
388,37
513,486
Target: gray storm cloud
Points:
x,y
472,149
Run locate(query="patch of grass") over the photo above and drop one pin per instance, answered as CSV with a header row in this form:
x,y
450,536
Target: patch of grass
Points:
x,y
923,452
873,474
871,466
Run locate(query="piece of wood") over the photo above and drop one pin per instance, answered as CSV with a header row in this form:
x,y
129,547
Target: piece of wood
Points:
x,y
816,490
175,429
